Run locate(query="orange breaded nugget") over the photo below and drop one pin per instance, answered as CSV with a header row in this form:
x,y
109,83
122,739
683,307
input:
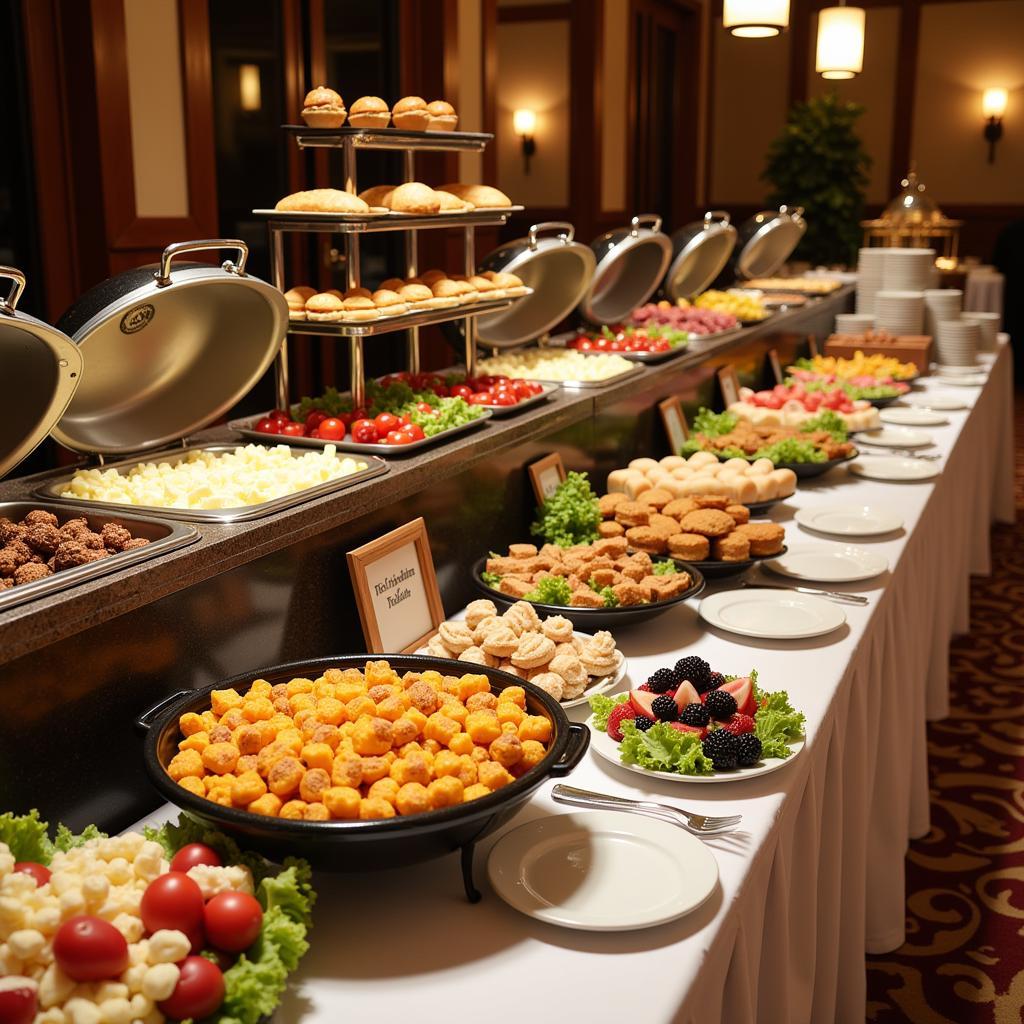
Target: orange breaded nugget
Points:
x,y
656,497
630,593
609,528
679,507
733,547
665,525
607,503
708,522
716,501
740,513
643,538
632,513
765,538
586,598
691,547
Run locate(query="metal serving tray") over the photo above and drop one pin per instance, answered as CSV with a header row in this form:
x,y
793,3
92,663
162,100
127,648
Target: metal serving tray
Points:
x,y
503,411
590,384
360,223
162,537
562,341
388,138
350,447
51,488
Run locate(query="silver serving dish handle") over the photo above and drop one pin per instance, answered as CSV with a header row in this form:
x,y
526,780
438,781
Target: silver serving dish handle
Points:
x,y
568,232
9,304
163,275
651,220
712,217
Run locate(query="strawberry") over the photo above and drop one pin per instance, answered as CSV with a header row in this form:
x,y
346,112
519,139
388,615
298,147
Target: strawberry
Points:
x,y
620,713
699,731
644,687
739,724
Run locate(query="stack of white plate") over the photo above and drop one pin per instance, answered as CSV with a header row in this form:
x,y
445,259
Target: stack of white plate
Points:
x,y
941,304
989,324
870,278
900,312
909,270
956,342
854,323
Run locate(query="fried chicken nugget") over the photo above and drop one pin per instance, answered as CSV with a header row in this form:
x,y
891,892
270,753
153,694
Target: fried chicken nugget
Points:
x,y
691,547
708,522
644,538
765,538
733,547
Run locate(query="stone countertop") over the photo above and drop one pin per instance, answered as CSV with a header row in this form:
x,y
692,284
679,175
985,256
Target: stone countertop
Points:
x,y
220,547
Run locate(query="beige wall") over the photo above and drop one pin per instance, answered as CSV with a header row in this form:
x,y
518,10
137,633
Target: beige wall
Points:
x,y
615,98
157,108
965,48
470,98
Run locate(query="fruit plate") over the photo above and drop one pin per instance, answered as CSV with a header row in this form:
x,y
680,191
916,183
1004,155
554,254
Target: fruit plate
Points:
x,y
588,619
572,869
606,748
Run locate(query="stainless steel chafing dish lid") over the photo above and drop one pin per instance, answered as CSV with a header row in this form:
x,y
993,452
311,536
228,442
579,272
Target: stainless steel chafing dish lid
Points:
x,y
40,369
557,268
767,240
630,265
699,252
166,354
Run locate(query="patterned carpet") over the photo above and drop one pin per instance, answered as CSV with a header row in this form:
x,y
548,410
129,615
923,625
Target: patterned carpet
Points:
x,y
963,961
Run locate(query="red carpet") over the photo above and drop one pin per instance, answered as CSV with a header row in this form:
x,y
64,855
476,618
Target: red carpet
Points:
x,y
963,961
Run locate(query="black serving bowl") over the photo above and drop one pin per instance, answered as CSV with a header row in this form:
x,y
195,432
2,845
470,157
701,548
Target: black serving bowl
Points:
x,y
881,403
803,470
361,845
719,569
586,620
758,508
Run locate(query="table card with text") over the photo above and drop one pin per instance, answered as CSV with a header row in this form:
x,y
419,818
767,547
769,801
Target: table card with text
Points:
x,y
545,475
674,421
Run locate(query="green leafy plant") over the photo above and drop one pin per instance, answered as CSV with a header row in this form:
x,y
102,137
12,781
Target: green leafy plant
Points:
x,y
819,163
571,515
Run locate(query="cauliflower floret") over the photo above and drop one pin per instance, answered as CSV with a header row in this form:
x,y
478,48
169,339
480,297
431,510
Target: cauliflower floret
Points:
x,y
212,880
6,860
95,889
46,919
149,861
130,926
10,962
168,946
13,914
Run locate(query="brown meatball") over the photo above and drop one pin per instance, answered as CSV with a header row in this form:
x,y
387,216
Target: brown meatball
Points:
x,y
8,563
43,537
115,537
10,531
93,541
21,551
5,583
31,571
136,542
71,553
72,528
40,517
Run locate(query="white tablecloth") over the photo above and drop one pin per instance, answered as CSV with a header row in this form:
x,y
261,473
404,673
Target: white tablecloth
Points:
x,y
813,878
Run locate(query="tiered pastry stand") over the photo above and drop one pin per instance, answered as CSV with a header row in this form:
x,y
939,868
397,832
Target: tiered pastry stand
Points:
x,y
352,226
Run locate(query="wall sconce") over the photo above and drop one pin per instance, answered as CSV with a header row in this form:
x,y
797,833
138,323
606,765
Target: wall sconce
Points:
x,y
755,19
993,106
840,52
249,91
524,123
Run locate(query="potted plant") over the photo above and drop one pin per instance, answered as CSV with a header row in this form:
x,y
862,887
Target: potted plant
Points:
x,y
819,163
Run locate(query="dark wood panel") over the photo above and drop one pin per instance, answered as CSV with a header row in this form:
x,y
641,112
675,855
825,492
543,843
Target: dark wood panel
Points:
x,y
906,86
536,12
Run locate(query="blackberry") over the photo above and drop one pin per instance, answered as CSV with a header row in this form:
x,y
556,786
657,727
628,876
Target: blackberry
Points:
x,y
717,680
665,708
695,714
663,679
720,704
697,670
643,723
720,747
748,750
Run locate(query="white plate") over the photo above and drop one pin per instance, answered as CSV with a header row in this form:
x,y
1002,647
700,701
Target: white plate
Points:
x,y
602,871
888,437
936,403
887,467
848,520
771,614
840,563
975,380
959,371
912,417
606,748
600,684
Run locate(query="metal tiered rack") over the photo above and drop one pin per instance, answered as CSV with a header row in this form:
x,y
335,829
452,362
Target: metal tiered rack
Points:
x,y
351,226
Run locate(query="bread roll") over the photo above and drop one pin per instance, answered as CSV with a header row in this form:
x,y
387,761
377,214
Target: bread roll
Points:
x,y
682,472
698,459
442,117
785,482
671,462
762,467
746,490
415,197
741,464
323,200
369,112
410,114
379,195
323,108
643,465
617,481
765,486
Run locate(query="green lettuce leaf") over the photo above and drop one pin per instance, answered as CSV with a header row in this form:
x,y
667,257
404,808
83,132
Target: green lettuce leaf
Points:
x,y
25,835
663,749
66,840
602,707
777,723
571,515
550,590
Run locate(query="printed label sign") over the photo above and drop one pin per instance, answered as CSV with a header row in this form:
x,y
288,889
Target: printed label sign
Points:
x,y
545,475
730,385
674,421
773,359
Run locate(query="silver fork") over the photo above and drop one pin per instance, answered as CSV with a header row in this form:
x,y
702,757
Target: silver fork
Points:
x,y
698,824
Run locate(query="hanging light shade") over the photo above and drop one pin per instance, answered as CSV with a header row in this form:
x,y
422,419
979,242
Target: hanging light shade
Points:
x,y
755,19
840,52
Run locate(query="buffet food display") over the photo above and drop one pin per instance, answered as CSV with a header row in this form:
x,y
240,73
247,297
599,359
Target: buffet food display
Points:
x,y
804,285
747,308
695,321
325,108
878,366
559,366
801,401
630,340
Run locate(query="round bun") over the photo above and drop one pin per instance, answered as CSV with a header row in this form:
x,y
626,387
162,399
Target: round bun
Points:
x,y
440,107
321,96
410,114
369,112
377,195
408,104
369,105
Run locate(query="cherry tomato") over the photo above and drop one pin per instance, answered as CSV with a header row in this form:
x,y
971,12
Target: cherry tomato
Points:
x,y
414,430
359,414
172,900
91,949
504,398
19,1000
294,430
461,391
404,420
424,407
441,390
268,426
38,871
384,422
481,398
281,416
233,920
199,992
313,433
314,419
585,345
397,437
195,853
364,431
332,429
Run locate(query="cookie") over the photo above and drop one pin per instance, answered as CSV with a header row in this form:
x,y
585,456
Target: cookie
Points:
x,y
632,513
534,650
691,547
709,522
733,547
644,538
608,503
456,636
765,538
551,683
477,611
740,514
609,528
557,628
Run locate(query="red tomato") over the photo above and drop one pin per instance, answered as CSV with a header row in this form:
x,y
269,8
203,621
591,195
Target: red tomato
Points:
x,y
281,416
233,920
314,419
172,900
293,430
397,437
481,398
461,391
585,345
364,431
404,420
385,421
535,388
195,853
199,992
522,388
360,414
332,429
441,390
414,430
504,398
91,949
38,871
424,407
313,433
268,426
18,1000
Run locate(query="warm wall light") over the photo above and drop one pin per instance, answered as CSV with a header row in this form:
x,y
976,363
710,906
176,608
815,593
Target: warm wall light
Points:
x,y
524,124
840,52
755,19
993,107
249,86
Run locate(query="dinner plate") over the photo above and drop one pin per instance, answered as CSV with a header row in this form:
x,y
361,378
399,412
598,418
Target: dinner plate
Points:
x,y
848,520
974,380
602,871
838,563
889,437
969,370
888,467
913,417
936,403
608,750
771,614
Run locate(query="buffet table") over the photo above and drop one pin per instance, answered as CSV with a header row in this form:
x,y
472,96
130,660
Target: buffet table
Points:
x,y
812,878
